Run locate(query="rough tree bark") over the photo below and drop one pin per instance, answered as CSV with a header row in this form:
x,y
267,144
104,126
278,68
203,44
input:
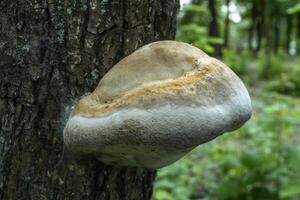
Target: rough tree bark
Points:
x,y
52,52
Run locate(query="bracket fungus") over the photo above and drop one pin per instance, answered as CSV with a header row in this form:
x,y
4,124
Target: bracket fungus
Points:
x,y
156,105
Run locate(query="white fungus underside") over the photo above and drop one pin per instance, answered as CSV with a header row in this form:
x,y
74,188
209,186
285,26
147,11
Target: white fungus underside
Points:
x,y
155,137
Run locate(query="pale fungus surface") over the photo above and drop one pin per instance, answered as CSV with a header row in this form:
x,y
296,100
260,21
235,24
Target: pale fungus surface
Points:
x,y
156,105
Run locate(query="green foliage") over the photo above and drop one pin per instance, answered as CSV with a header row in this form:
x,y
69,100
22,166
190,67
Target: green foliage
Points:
x,y
294,9
193,27
238,62
191,34
287,81
261,161
273,67
282,74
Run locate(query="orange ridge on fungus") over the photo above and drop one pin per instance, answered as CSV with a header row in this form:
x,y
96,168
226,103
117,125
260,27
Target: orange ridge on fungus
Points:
x,y
89,108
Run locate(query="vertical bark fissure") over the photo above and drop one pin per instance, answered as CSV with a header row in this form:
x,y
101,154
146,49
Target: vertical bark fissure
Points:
x,y
124,27
86,18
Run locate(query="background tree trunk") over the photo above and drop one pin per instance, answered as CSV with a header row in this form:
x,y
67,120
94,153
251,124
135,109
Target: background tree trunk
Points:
x,y
52,52
268,37
259,31
259,14
213,27
298,33
227,25
277,31
289,24
252,27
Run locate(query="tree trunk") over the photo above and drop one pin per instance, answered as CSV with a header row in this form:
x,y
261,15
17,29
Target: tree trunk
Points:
x,y
260,24
227,25
52,52
259,35
253,25
213,27
298,32
268,37
277,26
289,25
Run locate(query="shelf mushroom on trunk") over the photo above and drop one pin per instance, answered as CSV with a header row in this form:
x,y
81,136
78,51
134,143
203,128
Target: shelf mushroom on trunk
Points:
x,y
156,105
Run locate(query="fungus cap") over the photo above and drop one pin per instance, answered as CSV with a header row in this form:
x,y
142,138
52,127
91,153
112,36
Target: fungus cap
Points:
x,y
156,105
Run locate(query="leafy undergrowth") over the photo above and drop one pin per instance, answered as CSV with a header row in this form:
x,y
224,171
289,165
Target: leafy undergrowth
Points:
x,y
260,161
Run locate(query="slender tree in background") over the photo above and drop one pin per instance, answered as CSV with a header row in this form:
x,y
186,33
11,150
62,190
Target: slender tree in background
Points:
x,y
278,11
227,25
277,23
213,27
260,25
256,27
289,25
298,32
268,36
52,52
252,26
277,27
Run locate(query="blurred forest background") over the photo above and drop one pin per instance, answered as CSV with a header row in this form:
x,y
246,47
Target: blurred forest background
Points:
x,y
260,41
